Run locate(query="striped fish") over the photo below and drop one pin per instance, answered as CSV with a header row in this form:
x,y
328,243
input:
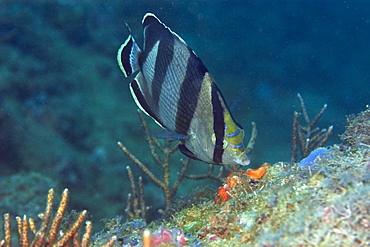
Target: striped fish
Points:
x,y
175,88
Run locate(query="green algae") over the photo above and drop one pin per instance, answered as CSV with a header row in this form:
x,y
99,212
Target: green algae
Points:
x,y
288,206
326,204
291,206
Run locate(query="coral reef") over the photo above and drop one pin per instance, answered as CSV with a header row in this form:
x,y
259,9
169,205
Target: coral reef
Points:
x,y
308,137
128,233
64,105
161,154
323,204
51,232
289,207
322,200
310,160
358,129
136,207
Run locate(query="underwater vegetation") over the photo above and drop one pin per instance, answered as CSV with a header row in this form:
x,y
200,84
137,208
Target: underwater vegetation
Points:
x,y
358,129
61,91
326,203
56,229
63,107
307,137
161,154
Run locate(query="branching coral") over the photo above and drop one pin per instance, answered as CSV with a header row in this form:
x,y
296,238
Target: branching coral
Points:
x,y
50,232
136,207
308,137
166,150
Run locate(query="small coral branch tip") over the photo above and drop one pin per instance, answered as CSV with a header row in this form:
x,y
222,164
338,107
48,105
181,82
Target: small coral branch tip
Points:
x,y
147,239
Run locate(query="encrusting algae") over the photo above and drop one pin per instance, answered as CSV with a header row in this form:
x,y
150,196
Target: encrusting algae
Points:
x,y
326,203
358,129
288,207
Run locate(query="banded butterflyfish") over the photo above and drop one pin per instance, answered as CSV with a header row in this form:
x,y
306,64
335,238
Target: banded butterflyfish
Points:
x,y
174,87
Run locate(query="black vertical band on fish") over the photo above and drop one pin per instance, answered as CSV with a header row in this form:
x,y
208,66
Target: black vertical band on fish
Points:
x,y
218,125
140,98
174,87
161,65
189,94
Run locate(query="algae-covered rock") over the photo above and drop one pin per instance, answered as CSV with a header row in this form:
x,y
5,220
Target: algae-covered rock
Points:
x,y
322,205
358,129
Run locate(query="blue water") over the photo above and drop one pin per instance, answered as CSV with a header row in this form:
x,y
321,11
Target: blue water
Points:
x,y
64,102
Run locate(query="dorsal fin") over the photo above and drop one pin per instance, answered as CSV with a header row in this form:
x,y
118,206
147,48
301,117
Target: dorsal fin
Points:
x,y
128,56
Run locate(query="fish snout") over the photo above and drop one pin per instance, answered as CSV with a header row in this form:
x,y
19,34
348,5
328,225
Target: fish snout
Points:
x,y
242,159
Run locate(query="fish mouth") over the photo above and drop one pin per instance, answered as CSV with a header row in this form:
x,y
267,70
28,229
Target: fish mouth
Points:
x,y
243,160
